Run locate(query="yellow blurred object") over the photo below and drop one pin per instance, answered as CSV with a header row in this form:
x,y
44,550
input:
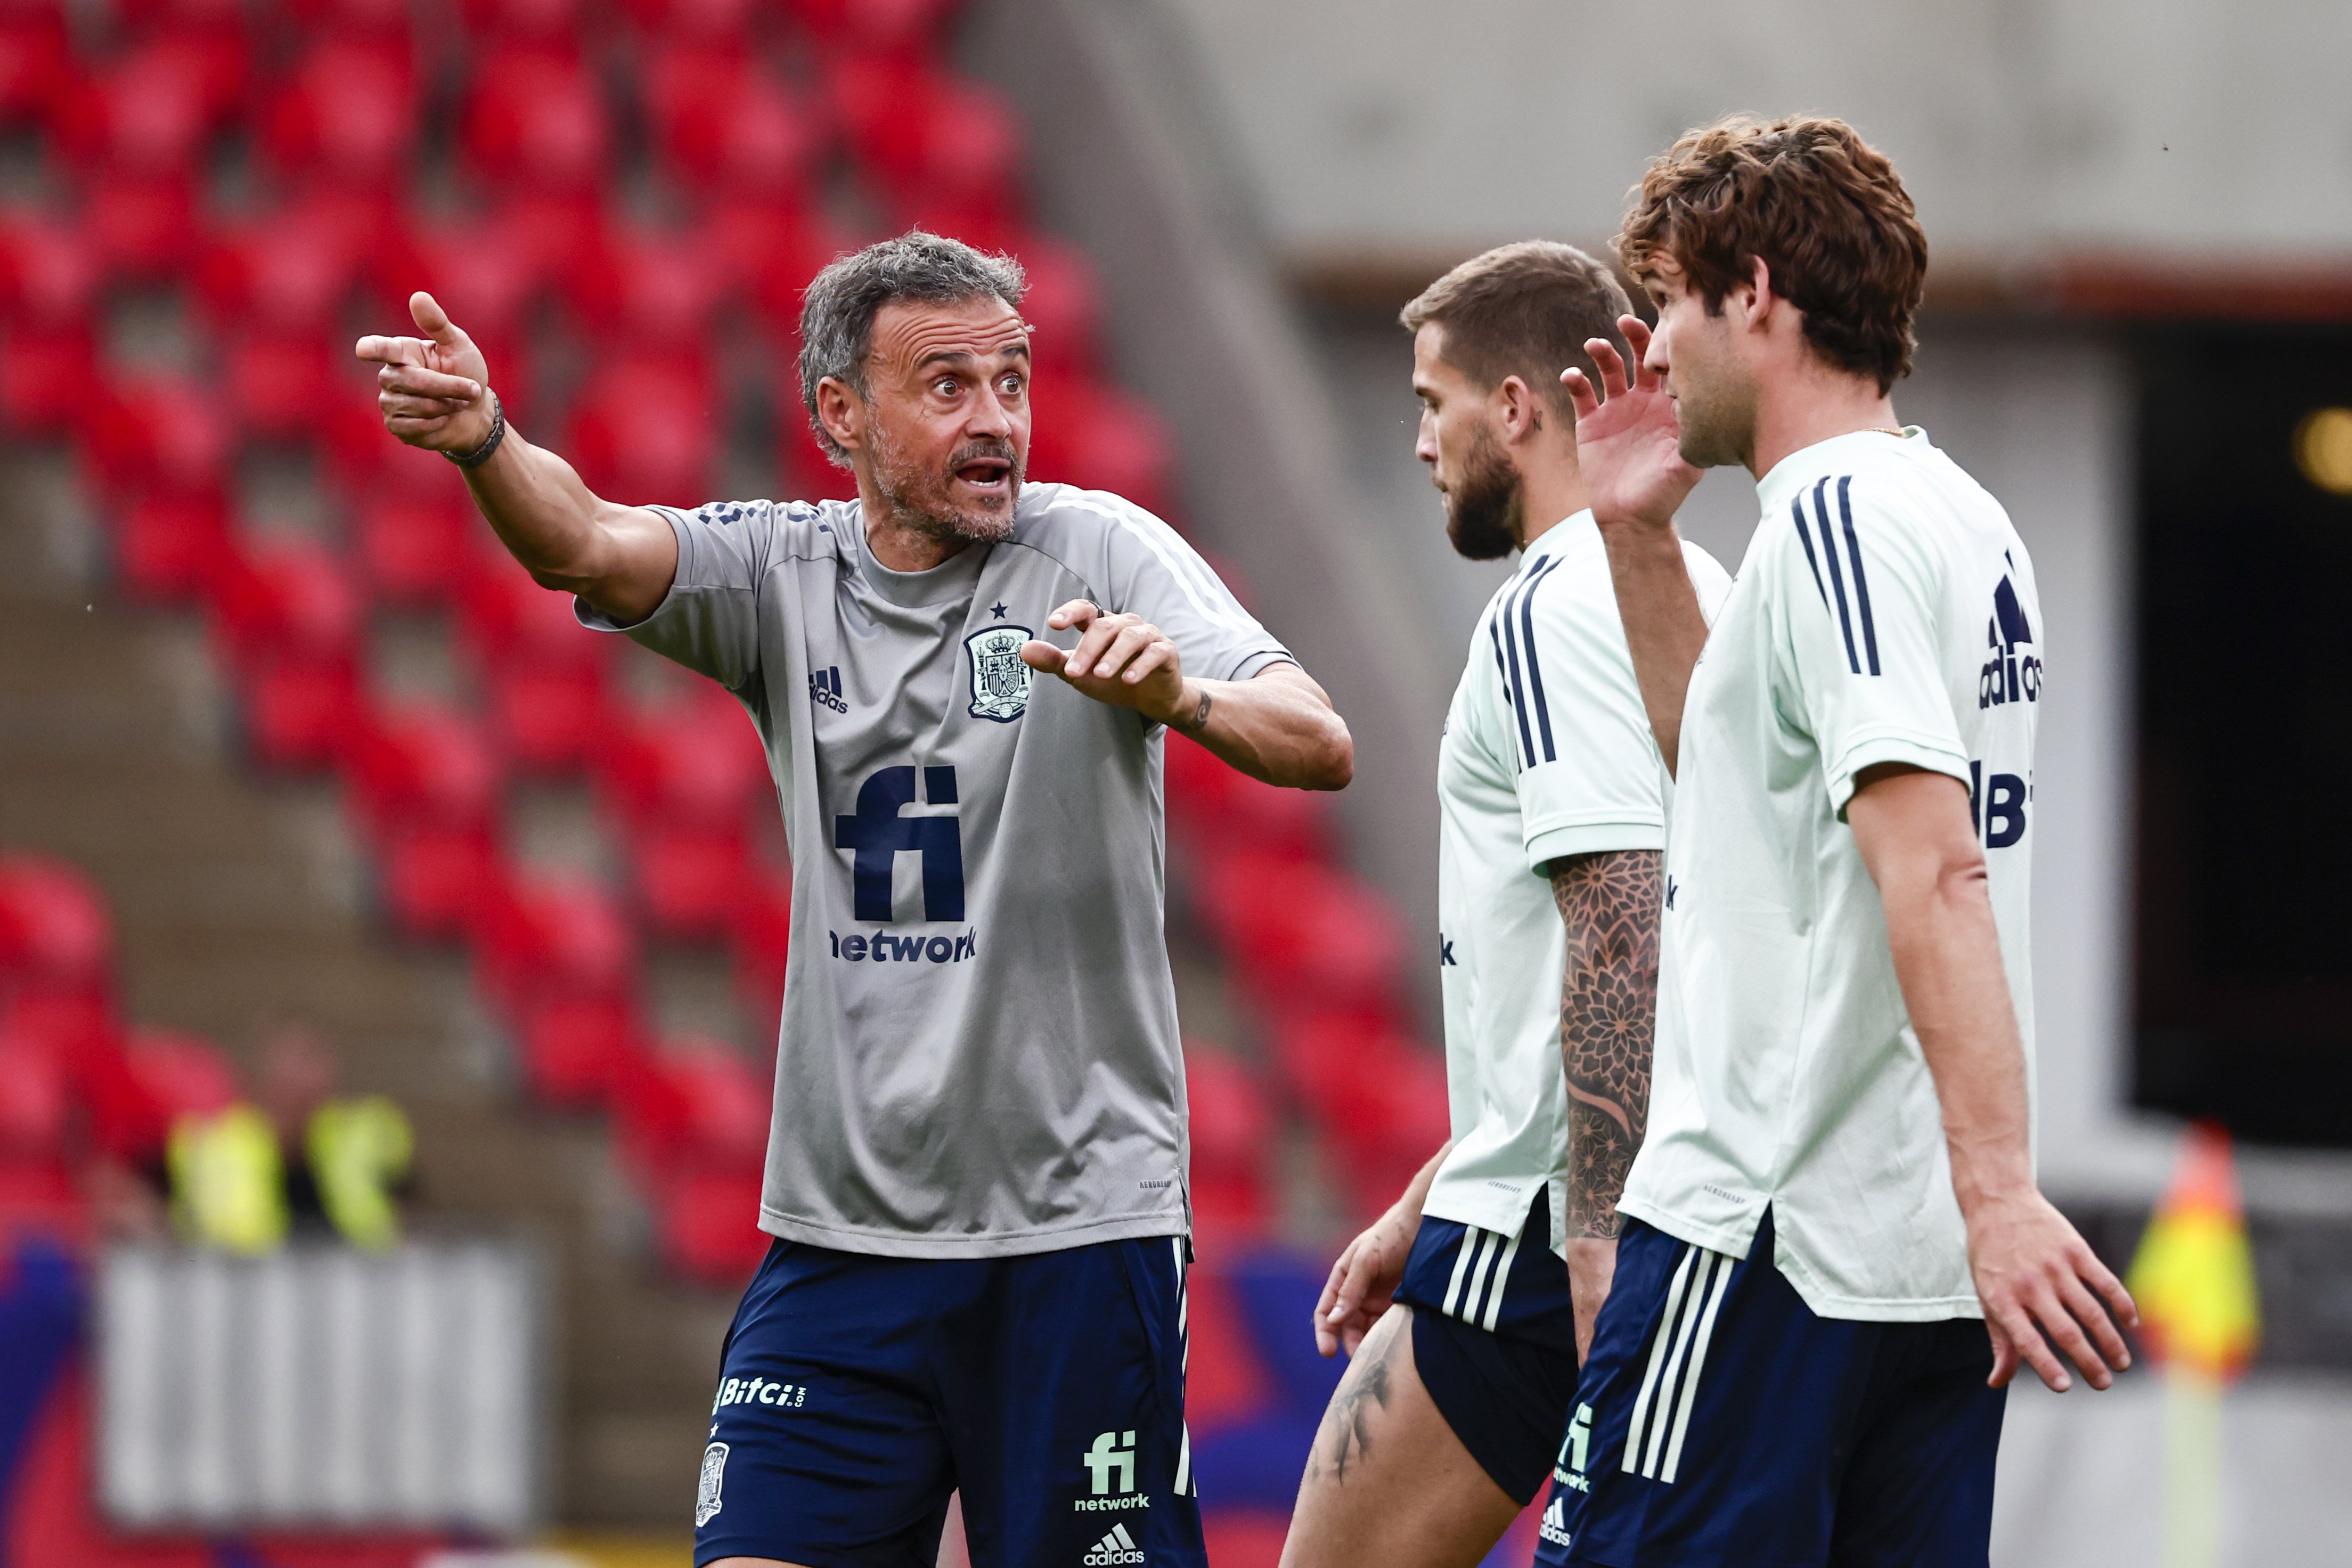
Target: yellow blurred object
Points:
x,y
359,1149
2194,1274
2323,449
606,1550
228,1181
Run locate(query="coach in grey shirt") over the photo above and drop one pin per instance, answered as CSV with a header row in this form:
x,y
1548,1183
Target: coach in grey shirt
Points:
x,y
964,686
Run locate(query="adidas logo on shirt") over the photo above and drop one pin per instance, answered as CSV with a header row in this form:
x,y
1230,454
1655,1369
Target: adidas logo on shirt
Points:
x,y
1555,1522
825,689
1115,1549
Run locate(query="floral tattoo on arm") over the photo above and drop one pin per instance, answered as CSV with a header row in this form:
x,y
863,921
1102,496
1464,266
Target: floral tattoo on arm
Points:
x,y
1608,1019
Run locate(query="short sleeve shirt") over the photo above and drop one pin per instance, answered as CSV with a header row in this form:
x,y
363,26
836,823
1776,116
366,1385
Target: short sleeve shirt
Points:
x,y
978,1053
1886,613
1547,754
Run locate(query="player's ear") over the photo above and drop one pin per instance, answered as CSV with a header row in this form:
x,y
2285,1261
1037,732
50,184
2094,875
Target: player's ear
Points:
x,y
1521,412
842,413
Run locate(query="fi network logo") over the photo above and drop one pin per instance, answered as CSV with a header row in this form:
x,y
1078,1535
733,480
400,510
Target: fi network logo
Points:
x,y
1111,1458
1116,1549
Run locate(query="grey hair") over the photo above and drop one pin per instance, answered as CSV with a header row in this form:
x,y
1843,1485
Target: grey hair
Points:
x,y
838,309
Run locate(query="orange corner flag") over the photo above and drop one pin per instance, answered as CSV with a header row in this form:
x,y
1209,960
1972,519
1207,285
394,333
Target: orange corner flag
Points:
x,y
2194,1275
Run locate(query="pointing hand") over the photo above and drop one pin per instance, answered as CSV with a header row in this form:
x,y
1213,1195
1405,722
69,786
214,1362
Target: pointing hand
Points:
x,y
433,390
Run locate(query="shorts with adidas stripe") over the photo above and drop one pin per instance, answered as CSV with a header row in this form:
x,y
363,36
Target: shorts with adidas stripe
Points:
x,y
1718,1420
1494,1341
856,1391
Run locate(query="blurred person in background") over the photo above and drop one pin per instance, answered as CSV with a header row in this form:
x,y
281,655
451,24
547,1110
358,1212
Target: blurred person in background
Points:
x,y
1467,1306
297,1160
976,1171
1835,1254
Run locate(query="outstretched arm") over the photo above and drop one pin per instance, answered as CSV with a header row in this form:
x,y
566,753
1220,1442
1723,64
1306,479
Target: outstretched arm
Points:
x,y
435,392
2034,1275
1277,726
1608,1021
1628,444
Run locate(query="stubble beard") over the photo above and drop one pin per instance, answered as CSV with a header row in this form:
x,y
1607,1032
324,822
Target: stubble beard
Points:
x,y
1486,510
918,500
1716,416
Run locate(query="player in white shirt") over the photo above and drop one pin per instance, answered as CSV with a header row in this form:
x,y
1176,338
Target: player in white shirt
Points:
x,y
1836,1204
1463,1321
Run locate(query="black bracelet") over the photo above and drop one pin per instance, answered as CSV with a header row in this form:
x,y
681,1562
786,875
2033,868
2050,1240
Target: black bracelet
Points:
x,y
481,454
1199,720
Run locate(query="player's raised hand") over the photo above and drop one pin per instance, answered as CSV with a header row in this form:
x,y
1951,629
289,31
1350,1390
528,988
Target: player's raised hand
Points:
x,y
433,390
1628,441
1364,1283
2041,1286
1120,659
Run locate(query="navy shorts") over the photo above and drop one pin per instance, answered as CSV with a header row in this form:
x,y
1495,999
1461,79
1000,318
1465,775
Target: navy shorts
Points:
x,y
1720,1422
1494,1338
855,1393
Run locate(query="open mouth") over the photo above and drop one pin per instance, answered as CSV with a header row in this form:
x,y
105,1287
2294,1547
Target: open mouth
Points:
x,y
990,475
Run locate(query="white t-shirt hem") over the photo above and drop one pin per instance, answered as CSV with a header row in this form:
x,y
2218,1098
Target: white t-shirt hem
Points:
x,y
1546,844
1875,746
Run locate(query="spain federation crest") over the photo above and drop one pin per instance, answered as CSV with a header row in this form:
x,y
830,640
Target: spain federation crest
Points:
x,y
999,681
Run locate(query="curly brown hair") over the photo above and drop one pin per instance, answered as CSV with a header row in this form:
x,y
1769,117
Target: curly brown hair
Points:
x,y
1823,208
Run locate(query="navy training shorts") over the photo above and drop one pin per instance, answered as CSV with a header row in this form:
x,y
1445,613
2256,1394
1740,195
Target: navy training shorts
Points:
x,y
1719,1421
855,1393
1494,1337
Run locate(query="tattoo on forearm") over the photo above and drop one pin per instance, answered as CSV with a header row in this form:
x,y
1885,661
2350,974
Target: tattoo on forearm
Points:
x,y
1608,1019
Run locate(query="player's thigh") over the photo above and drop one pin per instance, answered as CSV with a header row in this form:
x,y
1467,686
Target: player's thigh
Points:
x,y
824,1446
1065,1407
1388,1481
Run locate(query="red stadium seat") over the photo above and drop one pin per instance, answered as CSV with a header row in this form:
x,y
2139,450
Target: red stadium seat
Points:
x,y
550,719
708,1225
297,713
1062,307
172,548
646,430
535,118
934,142
1089,436
692,882
649,287
279,383
705,23
694,1105
700,762
294,269
420,767
761,945
554,936
510,620
900,26
486,275
577,1051
1380,1097
50,274
287,603
34,1104
436,880
49,380
142,224
1217,809
164,1076
159,436
349,111
546,22
156,108
1301,934
721,122
1225,1381
416,551
1231,1126
55,936
36,62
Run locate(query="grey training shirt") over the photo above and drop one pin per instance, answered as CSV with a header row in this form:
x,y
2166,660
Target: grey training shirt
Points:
x,y
979,1052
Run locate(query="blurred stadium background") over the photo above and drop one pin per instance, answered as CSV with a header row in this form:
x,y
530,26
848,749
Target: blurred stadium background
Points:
x,y
360,915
